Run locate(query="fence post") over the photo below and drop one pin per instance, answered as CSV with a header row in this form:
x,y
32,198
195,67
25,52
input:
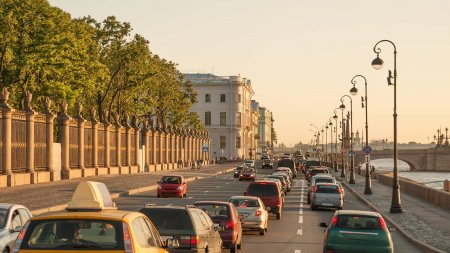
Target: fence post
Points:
x,y
128,141
172,144
7,111
137,132
63,133
107,144
146,146
80,121
49,123
118,137
153,129
447,185
94,140
166,145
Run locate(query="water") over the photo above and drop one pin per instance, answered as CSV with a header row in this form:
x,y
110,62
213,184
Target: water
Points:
x,y
431,179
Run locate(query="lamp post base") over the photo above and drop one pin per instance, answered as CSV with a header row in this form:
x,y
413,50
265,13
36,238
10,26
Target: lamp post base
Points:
x,y
367,191
396,210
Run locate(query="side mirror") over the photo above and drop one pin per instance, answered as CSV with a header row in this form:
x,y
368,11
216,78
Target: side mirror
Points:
x,y
17,229
323,225
172,243
268,208
218,228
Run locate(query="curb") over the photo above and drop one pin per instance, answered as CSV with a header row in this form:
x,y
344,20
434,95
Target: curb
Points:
x,y
423,246
125,193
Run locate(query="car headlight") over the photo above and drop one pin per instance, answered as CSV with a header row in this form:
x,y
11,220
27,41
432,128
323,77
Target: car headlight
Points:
x,y
179,188
159,187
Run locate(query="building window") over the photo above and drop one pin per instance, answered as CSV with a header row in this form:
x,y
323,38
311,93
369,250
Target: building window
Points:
x,y
238,119
238,98
238,141
207,118
223,142
222,98
223,118
207,98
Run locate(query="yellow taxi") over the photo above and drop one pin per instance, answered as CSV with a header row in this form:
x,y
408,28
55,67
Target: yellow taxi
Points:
x,y
91,223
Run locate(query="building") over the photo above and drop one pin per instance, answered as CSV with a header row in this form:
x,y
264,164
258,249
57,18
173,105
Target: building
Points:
x,y
224,108
265,129
254,136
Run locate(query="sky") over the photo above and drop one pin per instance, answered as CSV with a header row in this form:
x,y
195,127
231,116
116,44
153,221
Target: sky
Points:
x,y
301,55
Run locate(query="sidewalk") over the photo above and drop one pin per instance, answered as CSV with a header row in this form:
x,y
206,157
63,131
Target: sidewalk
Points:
x,y
420,221
55,194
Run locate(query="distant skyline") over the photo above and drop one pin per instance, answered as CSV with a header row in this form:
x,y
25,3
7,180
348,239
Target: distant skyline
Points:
x,y
301,55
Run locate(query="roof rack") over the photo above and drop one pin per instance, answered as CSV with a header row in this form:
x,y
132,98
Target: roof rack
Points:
x,y
149,205
190,206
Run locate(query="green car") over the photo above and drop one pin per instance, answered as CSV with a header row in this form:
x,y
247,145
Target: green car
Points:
x,y
357,231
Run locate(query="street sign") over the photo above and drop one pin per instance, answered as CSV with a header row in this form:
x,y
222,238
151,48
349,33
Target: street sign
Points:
x,y
205,148
367,150
351,153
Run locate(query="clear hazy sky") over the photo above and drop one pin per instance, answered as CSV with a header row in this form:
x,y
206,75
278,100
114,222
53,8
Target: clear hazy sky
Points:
x,y
301,55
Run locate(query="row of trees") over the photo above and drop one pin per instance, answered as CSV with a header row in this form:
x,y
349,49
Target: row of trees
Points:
x,y
99,64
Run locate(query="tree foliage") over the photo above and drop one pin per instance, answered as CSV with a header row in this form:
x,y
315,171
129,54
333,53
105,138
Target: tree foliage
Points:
x,y
99,64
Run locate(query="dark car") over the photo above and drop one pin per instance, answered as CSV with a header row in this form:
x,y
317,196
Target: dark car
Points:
x,y
269,193
237,171
267,163
226,215
193,228
247,174
315,171
310,163
290,164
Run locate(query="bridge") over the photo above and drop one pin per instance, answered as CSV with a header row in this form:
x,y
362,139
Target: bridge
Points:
x,y
433,159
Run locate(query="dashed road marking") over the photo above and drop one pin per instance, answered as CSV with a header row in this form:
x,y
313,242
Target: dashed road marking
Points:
x,y
206,191
300,211
301,204
299,232
297,251
218,187
300,219
190,197
169,204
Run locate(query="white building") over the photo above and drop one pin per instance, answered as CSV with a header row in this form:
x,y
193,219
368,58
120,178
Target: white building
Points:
x,y
224,108
265,129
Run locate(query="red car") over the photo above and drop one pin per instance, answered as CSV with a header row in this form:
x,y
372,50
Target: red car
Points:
x,y
172,185
269,193
247,174
225,214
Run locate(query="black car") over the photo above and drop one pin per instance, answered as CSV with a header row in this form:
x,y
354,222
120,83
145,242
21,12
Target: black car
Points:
x,y
290,164
237,171
193,228
267,163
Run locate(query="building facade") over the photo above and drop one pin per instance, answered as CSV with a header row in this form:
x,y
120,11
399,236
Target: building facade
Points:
x,y
265,130
224,108
254,135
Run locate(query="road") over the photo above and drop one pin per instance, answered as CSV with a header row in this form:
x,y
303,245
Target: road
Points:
x,y
296,232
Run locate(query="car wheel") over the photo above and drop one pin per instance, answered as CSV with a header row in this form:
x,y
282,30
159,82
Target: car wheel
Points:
x,y
313,208
233,248
309,201
278,216
262,231
6,250
184,195
181,196
340,207
158,195
239,246
240,179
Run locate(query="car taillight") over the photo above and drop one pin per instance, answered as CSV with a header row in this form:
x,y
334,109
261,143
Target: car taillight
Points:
x,y
159,187
127,241
314,189
229,225
258,213
191,241
340,189
19,239
334,221
179,188
382,223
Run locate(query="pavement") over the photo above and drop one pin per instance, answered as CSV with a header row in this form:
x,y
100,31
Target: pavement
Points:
x,y
53,196
296,232
423,223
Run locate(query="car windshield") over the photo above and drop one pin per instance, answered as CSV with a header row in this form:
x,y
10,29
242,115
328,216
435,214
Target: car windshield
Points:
x,y
166,219
238,169
170,180
358,222
215,211
315,172
267,161
327,189
324,180
278,178
243,203
262,190
312,163
248,170
74,235
248,161
3,215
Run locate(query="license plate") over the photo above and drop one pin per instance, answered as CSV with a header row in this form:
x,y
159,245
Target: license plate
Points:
x,y
164,238
327,204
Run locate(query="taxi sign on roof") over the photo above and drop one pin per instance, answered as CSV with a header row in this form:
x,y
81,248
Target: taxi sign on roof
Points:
x,y
90,196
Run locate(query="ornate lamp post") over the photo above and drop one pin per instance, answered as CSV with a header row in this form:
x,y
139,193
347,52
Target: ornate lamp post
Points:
x,y
352,158
354,91
335,117
326,142
330,124
377,64
342,141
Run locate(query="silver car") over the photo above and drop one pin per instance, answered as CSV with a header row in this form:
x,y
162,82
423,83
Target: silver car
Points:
x,y
327,195
12,219
253,213
319,178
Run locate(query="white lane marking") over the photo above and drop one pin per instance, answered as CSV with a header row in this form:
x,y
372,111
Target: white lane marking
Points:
x,y
301,204
297,251
300,219
190,197
206,191
169,204
300,211
299,232
227,183
218,187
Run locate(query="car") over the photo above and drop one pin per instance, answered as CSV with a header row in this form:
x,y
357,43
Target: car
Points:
x,y
194,229
12,219
267,163
171,185
270,193
315,171
326,195
237,171
250,163
278,182
311,162
320,178
284,184
253,213
286,169
247,174
286,177
91,223
226,215
289,164
366,228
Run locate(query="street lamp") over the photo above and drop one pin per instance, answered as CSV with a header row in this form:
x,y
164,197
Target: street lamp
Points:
x,y
354,91
326,142
342,108
330,124
335,117
377,64
352,156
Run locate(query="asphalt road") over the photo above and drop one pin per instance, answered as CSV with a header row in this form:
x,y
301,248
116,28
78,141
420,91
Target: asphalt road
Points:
x,y
296,232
